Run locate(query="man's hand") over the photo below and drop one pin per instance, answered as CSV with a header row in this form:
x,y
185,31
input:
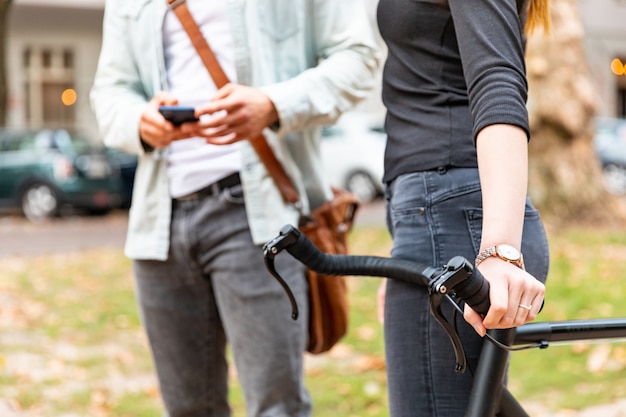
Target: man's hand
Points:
x,y
237,112
154,129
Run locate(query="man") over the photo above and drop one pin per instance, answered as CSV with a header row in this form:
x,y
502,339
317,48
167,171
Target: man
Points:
x,y
203,203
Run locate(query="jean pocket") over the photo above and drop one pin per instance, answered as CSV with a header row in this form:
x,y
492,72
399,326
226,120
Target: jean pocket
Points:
x,y
474,218
442,3
534,240
407,194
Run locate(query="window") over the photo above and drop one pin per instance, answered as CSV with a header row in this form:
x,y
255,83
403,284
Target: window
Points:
x,y
49,73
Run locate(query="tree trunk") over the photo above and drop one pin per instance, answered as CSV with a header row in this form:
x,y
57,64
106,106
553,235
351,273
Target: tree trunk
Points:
x,y
565,174
4,11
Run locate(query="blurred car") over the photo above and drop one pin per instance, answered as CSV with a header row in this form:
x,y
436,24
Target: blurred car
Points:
x,y
352,153
41,171
126,164
609,142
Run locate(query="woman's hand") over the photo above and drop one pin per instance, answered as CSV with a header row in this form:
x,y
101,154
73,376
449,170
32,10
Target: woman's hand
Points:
x,y
516,297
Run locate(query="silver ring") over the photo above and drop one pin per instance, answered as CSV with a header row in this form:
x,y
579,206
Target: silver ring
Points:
x,y
525,306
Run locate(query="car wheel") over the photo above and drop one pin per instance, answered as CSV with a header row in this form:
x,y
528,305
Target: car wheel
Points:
x,y
615,178
362,185
39,202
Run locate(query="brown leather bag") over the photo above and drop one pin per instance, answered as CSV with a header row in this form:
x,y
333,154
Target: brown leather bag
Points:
x,y
327,226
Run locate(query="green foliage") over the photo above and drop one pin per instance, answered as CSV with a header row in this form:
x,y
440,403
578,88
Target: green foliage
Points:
x,y
72,343
585,281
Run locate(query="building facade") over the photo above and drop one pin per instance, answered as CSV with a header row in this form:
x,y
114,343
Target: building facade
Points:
x,y
52,52
605,44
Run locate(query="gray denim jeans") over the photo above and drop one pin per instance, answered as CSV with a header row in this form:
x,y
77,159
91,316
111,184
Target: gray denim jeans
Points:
x,y
214,290
434,216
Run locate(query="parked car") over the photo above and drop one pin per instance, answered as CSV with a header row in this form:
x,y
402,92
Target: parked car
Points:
x,y
127,165
43,170
610,144
352,154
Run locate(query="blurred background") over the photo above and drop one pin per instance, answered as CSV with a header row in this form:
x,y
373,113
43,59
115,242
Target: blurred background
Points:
x,y
49,51
71,342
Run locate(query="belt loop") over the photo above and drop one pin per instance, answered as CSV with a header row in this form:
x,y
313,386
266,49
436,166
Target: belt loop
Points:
x,y
215,188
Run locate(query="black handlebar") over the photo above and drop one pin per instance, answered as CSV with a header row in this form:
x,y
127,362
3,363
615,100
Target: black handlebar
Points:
x,y
472,288
301,248
457,278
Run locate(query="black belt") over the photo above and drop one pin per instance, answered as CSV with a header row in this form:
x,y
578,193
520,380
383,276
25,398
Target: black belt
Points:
x,y
213,189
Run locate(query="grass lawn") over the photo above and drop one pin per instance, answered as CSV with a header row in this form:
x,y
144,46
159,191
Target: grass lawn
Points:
x,y
71,343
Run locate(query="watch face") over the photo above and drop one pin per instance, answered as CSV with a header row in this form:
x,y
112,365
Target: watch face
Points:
x,y
508,252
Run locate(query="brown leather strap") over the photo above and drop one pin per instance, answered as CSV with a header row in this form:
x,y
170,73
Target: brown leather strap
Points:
x,y
260,145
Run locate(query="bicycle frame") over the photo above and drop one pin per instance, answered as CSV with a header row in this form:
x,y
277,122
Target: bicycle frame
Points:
x,y
490,397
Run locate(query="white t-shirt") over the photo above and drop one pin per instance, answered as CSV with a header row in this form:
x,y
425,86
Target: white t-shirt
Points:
x,y
192,163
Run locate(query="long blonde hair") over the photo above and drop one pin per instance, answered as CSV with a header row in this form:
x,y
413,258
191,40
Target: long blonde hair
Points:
x,y
538,16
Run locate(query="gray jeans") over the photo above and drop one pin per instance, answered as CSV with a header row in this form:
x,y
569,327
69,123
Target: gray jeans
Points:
x,y
434,216
214,289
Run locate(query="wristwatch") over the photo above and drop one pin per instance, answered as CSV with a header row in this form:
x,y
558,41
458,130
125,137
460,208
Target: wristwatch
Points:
x,y
503,251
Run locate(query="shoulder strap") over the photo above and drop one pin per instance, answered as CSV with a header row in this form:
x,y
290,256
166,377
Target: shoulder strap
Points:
x,y
260,145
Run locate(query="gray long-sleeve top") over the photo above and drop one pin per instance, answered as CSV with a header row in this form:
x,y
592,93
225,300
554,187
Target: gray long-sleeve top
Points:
x,y
453,68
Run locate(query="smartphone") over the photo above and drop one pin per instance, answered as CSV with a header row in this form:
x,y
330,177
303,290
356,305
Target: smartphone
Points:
x,y
178,114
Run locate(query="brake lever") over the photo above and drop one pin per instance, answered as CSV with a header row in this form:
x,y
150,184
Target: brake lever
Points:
x,y
459,352
272,248
443,280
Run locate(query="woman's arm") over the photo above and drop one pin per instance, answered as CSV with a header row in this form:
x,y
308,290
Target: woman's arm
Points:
x,y
503,166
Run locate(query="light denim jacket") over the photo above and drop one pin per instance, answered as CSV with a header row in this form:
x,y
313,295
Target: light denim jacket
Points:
x,y
278,44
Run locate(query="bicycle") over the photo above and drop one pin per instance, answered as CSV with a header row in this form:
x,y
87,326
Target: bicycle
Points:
x,y
455,281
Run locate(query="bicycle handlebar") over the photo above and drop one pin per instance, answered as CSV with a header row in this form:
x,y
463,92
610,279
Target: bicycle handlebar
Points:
x,y
457,278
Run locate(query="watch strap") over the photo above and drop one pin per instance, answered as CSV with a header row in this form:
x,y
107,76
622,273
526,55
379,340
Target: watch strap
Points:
x,y
493,251
484,254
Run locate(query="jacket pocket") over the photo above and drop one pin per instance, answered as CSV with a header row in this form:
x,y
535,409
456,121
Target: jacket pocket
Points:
x,y
279,19
131,9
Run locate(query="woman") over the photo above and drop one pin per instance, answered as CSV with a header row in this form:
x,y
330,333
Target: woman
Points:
x,y
455,89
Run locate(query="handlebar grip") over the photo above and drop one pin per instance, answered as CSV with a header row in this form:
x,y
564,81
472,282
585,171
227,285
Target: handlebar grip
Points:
x,y
475,292
472,288
306,252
